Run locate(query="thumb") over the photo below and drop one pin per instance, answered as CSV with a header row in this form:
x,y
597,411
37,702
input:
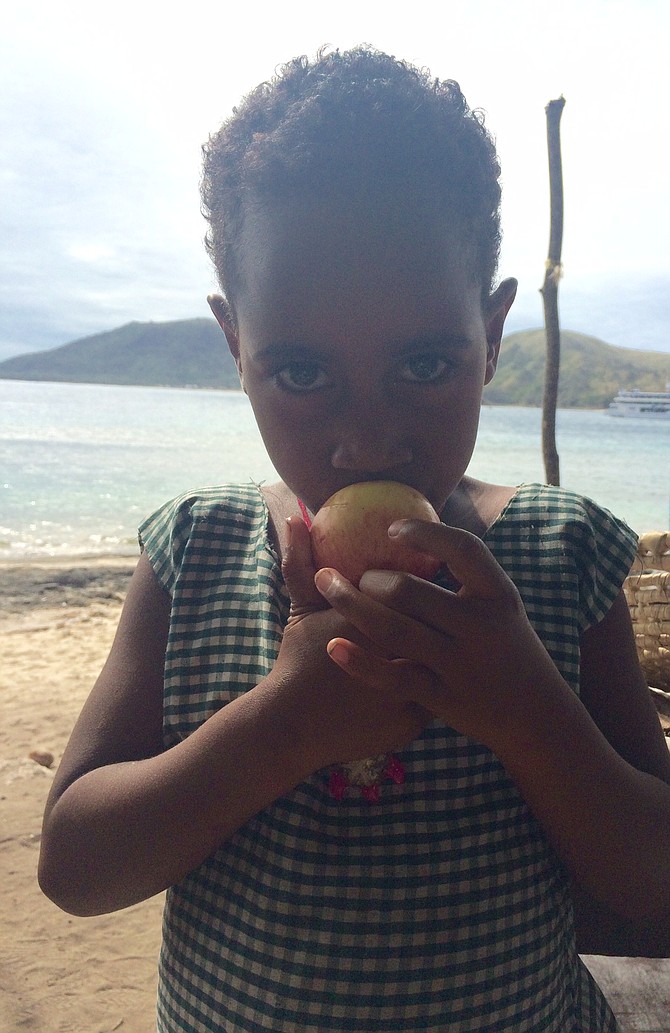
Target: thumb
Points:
x,y
298,569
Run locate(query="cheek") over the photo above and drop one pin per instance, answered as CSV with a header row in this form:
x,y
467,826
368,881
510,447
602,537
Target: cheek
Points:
x,y
284,417
467,419
293,443
278,421
449,435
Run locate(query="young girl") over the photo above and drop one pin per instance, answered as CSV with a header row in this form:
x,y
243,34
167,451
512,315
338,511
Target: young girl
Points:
x,y
353,212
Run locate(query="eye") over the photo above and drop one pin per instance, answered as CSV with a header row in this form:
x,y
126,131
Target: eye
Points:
x,y
302,376
424,369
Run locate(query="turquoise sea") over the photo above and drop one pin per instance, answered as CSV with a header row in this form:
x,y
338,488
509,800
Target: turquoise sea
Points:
x,y
81,464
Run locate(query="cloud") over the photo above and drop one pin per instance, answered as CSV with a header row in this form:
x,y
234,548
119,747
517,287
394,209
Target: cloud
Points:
x,y
90,252
90,235
627,311
102,117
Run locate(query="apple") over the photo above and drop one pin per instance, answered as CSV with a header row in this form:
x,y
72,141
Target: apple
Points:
x,y
350,530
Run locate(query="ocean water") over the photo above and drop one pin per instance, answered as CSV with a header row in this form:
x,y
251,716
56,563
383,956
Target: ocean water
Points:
x,y
81,464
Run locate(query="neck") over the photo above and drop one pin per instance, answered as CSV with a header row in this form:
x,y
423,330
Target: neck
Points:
x,y
475,505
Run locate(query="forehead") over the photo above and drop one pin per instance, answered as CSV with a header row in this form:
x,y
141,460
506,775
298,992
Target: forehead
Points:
x,y
391,262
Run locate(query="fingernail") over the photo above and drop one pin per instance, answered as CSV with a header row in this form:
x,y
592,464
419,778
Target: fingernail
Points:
x,y
376,580
394,529
323,579
337,652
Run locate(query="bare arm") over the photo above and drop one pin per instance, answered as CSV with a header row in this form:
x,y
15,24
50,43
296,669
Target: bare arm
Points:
x,y
126,819
614,692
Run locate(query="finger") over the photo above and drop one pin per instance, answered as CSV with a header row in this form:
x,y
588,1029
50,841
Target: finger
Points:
x,y
467,557
451,613
433,605
407,680
391,631
358,662
298,569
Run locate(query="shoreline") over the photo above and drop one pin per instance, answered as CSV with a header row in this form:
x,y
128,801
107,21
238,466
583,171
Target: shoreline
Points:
x,y
91,560
70,559
59,585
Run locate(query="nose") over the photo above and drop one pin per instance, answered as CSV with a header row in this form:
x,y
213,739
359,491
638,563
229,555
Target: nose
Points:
x,y
370,442
364,456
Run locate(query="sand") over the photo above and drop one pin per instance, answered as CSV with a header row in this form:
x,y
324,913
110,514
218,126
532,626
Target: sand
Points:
x,y
60,974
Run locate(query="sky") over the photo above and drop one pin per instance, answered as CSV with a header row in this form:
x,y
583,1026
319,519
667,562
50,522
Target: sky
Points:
x,y
104,108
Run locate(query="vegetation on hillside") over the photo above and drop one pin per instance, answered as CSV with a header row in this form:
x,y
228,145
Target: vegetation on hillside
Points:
x,y
591,371
182,353
193,353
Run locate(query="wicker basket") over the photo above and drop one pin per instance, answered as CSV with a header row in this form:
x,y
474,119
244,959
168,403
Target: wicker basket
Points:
x,y
647,590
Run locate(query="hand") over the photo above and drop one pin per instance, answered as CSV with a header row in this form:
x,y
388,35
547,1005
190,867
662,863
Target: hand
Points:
x,y
470,656
341,719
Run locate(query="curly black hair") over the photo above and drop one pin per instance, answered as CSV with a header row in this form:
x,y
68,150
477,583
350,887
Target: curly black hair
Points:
x,y
348,125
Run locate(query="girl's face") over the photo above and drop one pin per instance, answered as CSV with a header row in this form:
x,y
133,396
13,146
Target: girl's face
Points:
x,y
363,347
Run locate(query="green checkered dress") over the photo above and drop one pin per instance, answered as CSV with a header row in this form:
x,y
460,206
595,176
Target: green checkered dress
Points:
x,y
440,908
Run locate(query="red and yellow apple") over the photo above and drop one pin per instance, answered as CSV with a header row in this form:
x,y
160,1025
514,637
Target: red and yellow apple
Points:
x,y
350,530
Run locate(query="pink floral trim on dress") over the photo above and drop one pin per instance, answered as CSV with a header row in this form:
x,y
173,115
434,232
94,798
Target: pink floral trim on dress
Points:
x,y
366,775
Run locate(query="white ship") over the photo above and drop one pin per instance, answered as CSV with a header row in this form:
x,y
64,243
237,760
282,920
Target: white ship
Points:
x,y
648,404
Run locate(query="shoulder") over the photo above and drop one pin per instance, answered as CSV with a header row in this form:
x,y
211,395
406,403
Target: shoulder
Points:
x,y
545,508
571,535
204,523
227,502
552,500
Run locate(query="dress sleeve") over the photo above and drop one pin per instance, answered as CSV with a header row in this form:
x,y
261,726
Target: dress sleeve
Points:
x,y
163,537
604,557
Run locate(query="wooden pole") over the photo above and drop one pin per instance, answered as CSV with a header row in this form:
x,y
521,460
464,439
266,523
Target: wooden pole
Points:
x,y
549,291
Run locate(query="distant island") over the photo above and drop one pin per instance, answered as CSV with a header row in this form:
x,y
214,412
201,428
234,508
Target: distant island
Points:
x,y
591,371
181,353
193,353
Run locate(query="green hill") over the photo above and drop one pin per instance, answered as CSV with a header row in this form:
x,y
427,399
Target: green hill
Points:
x,y
591,371
183,353
193,353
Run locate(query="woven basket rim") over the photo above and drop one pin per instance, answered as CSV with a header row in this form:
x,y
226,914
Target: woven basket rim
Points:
x,y
647,592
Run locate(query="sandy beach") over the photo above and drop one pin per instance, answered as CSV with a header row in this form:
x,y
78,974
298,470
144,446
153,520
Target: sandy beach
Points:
x,y
60,974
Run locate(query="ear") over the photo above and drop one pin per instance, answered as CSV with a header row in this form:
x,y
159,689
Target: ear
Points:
x,y
497,307
221,312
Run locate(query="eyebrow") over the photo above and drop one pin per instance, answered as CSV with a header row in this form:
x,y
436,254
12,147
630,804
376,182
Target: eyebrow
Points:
x,y
456,342
280,350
